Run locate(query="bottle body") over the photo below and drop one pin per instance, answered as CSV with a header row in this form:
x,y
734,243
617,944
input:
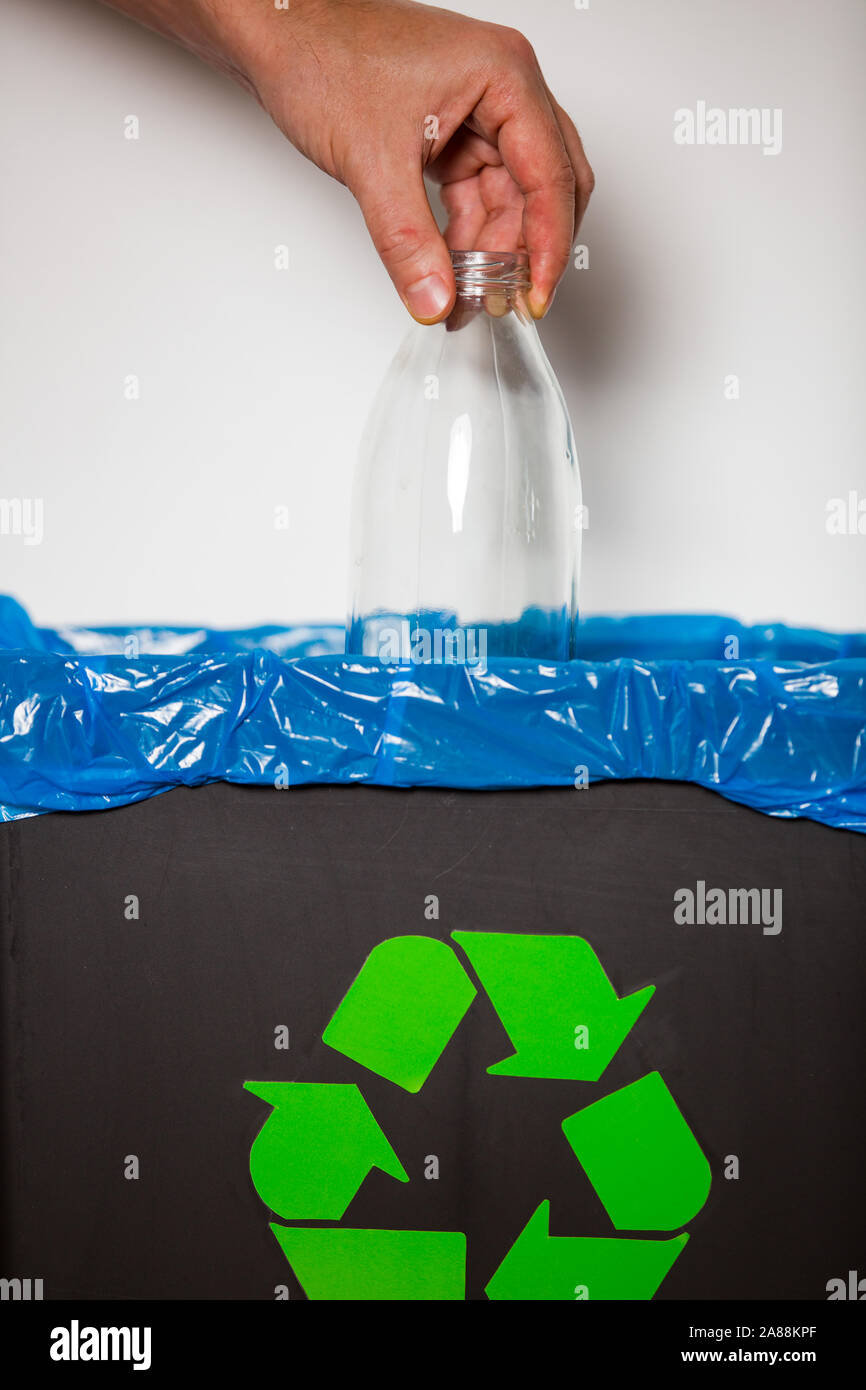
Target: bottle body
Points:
x,y
466,503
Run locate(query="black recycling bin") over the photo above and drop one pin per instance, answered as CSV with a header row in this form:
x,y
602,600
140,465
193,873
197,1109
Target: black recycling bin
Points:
x,y
331,979
160,956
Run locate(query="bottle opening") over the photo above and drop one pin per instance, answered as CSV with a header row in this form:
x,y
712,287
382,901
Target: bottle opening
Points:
x,y
486,272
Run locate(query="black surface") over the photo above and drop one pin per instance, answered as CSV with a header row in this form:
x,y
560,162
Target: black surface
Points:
x,y
258,908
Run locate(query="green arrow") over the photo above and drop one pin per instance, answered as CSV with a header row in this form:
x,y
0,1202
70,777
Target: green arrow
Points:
x,y
641,1157
316,1148
399,1013
557,1006
541,1266
364,1264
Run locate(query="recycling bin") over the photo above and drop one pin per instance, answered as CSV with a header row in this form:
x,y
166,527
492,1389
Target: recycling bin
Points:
x,y
337,1041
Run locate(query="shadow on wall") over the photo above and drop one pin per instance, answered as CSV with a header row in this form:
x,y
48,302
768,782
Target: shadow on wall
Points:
x,y
598,317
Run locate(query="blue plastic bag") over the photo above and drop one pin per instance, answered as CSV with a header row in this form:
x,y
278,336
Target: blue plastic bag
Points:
x,y
773,717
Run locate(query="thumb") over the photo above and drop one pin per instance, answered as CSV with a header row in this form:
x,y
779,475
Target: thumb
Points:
x,y
404,232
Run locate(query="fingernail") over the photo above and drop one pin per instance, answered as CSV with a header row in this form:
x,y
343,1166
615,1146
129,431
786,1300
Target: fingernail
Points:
x,y
538,307
427,299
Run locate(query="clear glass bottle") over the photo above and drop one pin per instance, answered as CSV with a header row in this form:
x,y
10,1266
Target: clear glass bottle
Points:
x,y
466,503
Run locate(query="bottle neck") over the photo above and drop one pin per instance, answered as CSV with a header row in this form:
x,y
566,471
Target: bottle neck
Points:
x,y
493,282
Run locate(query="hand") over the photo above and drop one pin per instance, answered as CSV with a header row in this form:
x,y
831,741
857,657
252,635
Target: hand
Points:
x,y
375,92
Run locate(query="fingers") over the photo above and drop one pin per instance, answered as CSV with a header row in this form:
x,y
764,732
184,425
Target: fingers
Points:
x,y
543,153
503,212
546,181
466,214
401,224
534,153
456,169
583,176
464,155
514,174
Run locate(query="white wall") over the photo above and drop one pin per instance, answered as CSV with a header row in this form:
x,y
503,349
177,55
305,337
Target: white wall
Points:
x,y
155,257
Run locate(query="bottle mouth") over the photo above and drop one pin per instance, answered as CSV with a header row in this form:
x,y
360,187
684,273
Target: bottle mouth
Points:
x,y
486,272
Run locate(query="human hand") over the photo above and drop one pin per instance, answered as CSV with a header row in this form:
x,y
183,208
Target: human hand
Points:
x,y
376,92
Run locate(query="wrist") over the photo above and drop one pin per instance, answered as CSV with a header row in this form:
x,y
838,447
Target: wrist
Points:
x,y
248,38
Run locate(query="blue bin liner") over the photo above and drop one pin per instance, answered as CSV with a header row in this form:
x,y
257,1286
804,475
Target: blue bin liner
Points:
x,y
94,718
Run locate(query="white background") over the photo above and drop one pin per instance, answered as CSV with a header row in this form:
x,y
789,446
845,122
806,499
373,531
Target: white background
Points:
x,y
156,257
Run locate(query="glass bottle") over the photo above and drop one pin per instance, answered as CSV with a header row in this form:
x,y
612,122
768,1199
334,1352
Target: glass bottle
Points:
x,y
466,503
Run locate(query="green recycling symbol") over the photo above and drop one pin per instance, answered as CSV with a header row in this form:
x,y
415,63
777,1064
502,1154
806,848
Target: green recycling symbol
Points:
x,y
565,1021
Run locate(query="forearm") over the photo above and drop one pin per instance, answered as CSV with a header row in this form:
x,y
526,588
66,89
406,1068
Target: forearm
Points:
x,y
229,35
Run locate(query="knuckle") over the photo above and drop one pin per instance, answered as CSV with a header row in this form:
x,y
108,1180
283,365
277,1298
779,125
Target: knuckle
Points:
x,y
562,178
516,44
399,243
